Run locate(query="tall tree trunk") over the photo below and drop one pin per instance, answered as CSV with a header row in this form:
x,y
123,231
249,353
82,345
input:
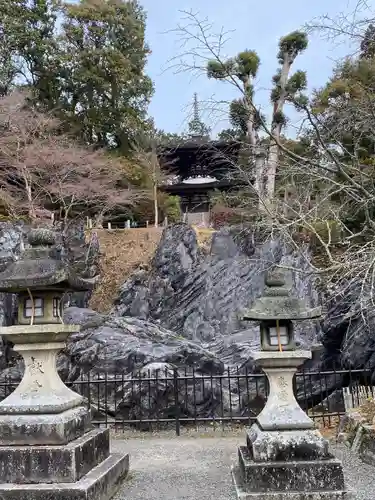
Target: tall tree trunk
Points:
x,y
273,153
29,196
154,160
259,165
256,154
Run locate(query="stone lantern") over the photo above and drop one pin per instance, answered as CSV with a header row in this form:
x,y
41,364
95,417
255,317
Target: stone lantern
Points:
x,y
285,457
48,446
276,311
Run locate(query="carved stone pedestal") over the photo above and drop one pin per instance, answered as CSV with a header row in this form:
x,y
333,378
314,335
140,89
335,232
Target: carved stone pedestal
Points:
x,y
49,449
285,458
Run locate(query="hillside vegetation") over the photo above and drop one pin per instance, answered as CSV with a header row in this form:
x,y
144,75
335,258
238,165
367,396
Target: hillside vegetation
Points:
x,y
123,251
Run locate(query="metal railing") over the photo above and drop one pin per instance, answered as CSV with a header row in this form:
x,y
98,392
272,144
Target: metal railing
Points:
x,y
178,399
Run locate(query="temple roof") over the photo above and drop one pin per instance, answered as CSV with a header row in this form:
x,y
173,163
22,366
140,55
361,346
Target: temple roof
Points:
x,y
217,156
41,267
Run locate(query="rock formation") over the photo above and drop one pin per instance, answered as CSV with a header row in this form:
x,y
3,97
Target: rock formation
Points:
x,y
182,317
348,327
202,298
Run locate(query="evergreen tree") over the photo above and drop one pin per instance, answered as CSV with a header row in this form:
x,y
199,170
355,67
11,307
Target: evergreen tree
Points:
x,y
90,70
246,119
368,43
28,54
105,91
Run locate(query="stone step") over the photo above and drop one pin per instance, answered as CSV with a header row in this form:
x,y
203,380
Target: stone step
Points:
x,y
101,483
298,475
54,464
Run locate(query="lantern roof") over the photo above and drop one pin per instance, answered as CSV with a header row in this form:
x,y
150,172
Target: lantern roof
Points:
x,y
277,302
41,267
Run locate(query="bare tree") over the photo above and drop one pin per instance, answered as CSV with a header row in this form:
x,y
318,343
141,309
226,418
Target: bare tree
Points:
x,y
42,169
349,24
202,52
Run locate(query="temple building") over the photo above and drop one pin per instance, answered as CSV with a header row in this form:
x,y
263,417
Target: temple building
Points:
x,y
197,168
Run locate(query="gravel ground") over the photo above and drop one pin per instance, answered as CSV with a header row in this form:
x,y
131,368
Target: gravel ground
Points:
x,y
359,476
198,468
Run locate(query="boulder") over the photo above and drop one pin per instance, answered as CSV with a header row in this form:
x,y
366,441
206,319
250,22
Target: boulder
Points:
x,y
112,345
150,372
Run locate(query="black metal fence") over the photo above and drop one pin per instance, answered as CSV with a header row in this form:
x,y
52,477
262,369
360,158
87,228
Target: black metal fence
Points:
x,y
178,400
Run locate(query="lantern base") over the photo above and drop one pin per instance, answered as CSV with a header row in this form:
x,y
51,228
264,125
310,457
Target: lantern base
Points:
x,y
101,483
54,464
47,429
294,475
286,445
242,492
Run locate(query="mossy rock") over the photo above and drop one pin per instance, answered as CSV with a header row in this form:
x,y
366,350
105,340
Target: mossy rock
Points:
x,y
367,446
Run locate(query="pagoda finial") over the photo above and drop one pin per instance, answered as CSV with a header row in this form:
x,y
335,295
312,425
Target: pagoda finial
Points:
x,y
196,108
196,126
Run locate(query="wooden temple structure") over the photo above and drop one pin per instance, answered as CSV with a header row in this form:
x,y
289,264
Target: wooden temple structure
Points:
x,y
195,169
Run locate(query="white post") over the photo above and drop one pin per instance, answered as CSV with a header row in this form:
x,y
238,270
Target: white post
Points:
x,y
109,226
128,224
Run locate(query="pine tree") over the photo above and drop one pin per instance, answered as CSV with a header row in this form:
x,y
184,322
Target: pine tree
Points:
x,y
243,114
368,43
287,88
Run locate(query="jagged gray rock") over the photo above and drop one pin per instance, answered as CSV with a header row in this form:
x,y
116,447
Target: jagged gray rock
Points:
x,y
135,351
108,344
202,298
348,328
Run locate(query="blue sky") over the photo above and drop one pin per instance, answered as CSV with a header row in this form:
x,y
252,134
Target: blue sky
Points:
x,y
257,25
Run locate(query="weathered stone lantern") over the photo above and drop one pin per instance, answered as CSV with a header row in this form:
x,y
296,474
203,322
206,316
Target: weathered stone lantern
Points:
x,y
276,311
48,446
285,457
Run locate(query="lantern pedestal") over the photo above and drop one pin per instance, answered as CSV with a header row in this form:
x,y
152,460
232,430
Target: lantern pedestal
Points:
x,y
285,457
48,446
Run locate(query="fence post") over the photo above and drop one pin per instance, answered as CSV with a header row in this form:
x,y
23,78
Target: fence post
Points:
x,y
177,405
128,224
146,223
